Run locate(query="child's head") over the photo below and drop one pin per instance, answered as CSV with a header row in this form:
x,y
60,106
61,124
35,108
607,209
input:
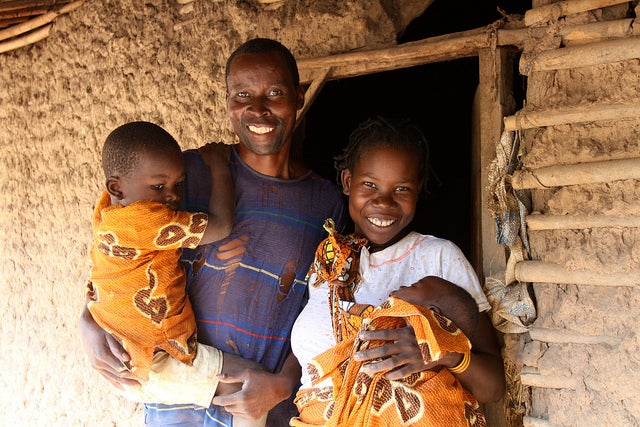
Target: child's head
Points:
x,y
445,298
142,161
383,170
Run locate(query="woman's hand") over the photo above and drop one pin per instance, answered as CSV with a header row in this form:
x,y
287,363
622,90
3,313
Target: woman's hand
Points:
x,y
105,353
484,377
401,356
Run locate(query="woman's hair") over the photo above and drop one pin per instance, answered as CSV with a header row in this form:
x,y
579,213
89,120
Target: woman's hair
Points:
x,y
385,132
125,146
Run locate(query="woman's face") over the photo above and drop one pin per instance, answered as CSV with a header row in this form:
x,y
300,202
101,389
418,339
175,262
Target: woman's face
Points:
x,y
383,190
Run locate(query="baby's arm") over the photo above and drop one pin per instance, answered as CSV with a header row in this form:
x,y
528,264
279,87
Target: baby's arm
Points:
x,y
221,200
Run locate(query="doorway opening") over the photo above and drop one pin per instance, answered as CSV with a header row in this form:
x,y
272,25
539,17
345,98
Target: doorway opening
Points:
x,y
437,97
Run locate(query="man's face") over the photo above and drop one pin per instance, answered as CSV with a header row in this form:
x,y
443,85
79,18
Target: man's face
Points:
x,y
262,102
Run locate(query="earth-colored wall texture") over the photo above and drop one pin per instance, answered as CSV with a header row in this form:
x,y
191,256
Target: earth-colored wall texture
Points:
x,y
599,382
104,64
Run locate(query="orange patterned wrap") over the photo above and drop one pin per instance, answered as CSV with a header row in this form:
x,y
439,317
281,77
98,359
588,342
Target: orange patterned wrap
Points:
x,y
137,286
430,398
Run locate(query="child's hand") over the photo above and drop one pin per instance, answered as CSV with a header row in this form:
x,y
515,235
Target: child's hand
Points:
x,y
215,153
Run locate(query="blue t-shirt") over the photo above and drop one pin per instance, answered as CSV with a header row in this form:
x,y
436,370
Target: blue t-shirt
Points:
x,y
247,290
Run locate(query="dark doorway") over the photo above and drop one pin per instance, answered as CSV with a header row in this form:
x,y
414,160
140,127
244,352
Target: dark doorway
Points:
x,y
437,97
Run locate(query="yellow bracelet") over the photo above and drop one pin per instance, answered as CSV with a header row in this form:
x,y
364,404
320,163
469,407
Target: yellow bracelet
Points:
x,y
463,365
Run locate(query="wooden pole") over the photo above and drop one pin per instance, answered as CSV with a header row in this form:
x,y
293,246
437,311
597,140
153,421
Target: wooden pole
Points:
x,y
11,5
311,93
27,39
604,52
393,58
443,48
567,337
41,20
544,381
597,30
574,222
551,12
547,272
577,174
576,114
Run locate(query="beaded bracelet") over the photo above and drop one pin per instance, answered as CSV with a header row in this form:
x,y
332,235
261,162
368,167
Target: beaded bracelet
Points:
x,y
463,365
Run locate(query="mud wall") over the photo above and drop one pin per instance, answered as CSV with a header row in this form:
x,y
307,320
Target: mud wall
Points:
x,y
104,64
570,383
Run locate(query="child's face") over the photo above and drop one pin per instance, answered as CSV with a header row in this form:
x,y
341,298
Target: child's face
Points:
x,y
159,177
383,190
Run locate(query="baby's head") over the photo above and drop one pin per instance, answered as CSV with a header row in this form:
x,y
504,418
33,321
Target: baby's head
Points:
x,y
142,161
383,170
445,298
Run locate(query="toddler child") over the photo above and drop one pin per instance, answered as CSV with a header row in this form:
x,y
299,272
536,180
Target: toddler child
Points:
x,y
136,290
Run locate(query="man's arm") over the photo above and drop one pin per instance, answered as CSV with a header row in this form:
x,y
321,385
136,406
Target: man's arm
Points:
x,y
170,381
105,353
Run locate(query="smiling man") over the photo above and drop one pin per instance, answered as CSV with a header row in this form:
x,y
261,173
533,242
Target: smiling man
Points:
x,y
247,290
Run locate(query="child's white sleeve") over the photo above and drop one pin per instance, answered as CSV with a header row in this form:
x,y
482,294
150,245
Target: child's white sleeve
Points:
x,y
173,382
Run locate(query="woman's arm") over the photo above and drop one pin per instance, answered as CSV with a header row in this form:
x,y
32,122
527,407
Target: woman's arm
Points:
x,y
484,377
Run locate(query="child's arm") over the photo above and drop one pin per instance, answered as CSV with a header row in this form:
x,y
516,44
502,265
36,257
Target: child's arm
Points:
x,y
221,200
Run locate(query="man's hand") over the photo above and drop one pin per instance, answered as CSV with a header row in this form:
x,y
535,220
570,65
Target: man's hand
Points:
x,y
105,353
260,392
254,391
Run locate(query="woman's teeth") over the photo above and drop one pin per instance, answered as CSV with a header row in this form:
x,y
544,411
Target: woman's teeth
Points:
x,y
381,222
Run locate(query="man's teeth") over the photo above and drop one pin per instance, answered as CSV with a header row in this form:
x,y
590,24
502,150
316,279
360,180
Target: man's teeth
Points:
x,y
381,222
260,129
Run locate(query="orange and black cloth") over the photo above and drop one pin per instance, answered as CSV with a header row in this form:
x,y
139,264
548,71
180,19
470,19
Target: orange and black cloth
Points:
x,y
433,398
137,286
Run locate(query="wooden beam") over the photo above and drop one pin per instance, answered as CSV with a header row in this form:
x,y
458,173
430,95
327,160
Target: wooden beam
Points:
x,y
41,20
585,55
597,30
545,381
311,94
576,174
551,12
524,119
493,100
568,337
574,222
25,40
547,272
393,58
444,48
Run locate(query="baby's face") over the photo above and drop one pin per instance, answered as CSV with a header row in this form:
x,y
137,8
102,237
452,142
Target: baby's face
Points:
x,y
159,177
422,293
